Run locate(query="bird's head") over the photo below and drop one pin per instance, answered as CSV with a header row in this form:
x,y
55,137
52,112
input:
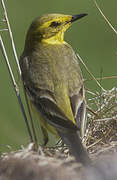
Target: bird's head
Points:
x,y
50,28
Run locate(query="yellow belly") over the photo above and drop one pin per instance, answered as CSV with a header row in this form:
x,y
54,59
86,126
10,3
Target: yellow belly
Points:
x,y
43,123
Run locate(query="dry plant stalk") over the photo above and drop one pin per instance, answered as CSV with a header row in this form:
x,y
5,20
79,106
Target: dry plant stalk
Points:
x,y
101,134
33,137
4,53
102,127
101,137
105,17
87,69
102,111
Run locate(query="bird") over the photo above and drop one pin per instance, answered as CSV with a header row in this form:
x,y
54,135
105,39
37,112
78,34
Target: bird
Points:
x,y
53,81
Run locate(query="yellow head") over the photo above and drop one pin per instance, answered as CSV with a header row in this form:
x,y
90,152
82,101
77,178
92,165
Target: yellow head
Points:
x,y
50,28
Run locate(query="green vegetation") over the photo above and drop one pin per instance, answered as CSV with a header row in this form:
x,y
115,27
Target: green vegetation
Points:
x,y
91,38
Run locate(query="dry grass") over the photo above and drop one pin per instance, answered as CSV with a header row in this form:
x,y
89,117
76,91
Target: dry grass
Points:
x,y
54,163
101,134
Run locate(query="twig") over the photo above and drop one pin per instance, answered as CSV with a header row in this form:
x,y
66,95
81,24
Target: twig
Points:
x,y
106,119
89,109
102,78
105,17
31,119
11,36
90,72
16,89
18,66
96,142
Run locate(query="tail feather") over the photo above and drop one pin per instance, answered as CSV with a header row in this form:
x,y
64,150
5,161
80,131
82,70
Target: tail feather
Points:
x,y
66,129
73,141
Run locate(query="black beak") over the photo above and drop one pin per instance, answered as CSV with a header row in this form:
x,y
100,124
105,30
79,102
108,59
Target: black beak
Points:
x,y
75,17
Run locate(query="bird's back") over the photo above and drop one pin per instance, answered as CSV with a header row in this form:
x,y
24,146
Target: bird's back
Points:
x,y
51,65
54,69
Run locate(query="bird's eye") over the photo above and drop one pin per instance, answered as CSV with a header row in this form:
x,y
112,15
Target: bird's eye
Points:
x,y
54,24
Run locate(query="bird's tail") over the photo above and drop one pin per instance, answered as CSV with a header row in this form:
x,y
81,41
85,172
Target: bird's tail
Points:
x,y
66,129
73,141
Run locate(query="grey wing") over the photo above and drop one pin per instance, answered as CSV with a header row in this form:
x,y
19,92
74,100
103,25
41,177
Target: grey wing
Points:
x,y
78,104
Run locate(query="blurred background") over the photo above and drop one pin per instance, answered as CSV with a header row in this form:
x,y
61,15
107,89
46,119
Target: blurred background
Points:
x,y
91,37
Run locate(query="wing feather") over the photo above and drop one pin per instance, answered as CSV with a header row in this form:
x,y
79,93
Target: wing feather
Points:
x,y
78,105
